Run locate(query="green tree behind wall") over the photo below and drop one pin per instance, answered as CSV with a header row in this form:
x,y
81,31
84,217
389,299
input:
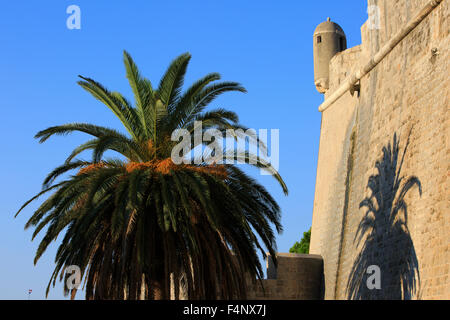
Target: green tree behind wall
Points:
x,y
302,247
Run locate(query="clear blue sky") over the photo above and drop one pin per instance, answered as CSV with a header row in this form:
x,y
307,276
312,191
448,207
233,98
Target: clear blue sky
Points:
x,y
265,45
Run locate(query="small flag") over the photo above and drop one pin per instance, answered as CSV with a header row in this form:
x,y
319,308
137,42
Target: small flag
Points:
x,y
29,291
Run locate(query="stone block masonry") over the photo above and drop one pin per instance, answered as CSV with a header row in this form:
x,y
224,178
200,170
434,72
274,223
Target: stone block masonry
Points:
x,y
382,190
298,277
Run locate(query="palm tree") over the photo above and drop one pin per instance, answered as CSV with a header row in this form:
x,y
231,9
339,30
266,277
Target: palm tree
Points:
x,y
141,226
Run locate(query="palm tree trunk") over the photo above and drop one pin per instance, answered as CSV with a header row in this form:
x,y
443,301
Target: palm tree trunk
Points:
x,y
158,290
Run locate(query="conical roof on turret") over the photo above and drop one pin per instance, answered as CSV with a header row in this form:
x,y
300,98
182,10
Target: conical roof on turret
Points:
x,y
328,26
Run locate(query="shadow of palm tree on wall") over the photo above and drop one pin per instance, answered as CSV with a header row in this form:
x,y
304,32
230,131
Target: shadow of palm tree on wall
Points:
x,y
387,242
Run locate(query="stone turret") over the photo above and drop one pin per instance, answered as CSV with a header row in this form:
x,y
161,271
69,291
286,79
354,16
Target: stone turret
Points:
x,y
329,39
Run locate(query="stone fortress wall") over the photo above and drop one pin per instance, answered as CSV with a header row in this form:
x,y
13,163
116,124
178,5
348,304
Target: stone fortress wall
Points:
x,y
386,148
297,277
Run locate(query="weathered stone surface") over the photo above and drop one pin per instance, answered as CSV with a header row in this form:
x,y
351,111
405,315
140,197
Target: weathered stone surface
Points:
x,y
298,277
407,96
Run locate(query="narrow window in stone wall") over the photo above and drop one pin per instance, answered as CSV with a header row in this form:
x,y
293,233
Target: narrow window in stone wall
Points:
x,y
319,39
341,44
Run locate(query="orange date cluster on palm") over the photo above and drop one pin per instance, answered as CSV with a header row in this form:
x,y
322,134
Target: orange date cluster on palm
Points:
x,y
162,166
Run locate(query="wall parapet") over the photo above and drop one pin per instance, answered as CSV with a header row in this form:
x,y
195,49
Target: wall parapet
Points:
x,y
380,55
298,277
